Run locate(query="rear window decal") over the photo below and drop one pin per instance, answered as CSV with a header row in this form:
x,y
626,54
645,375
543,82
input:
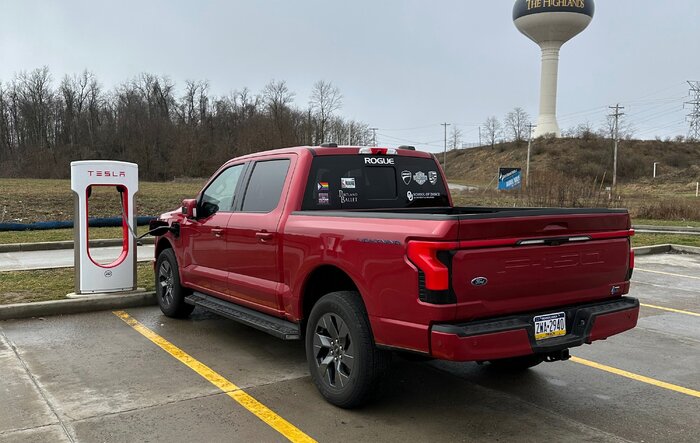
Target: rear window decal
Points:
x,y
322,186
406,176
433,177
420,177
347,183
347,197
323,199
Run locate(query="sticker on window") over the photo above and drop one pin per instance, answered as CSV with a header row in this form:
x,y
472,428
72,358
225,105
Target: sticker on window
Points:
x,y
420,177
424,196
347,197
433,177
406,176
347,183
322,186
323,199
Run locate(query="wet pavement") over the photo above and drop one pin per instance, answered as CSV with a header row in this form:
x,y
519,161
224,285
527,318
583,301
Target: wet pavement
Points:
x,y
92,377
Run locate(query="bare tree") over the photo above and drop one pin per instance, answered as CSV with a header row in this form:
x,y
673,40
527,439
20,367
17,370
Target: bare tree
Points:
x,y
277,97
625,128
455,139
516,123
493,130
325,100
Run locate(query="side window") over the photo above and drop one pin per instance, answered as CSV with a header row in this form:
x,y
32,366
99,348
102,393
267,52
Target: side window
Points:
x,y
218,196
265,186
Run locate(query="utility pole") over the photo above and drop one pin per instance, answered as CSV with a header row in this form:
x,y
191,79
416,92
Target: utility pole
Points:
x,y
479,135
530,127
617,114
694,116
374,136
444,158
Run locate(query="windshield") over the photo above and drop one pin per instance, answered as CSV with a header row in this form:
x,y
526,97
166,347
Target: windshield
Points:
x,y
373,182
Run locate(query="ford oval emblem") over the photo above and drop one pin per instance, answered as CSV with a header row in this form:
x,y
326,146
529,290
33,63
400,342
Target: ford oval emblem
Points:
x,y
479,281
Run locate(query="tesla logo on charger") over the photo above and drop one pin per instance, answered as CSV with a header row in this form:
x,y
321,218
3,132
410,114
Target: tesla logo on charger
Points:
x,y
107,173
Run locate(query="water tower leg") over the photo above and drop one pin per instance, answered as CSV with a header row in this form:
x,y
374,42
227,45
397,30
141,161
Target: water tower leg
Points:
x,y
547,121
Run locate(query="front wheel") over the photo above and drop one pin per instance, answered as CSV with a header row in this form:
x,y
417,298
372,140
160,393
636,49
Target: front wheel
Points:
x,y
171,295
345,365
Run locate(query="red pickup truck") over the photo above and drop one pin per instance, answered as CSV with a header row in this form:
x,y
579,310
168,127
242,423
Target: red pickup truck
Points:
x,y
360,252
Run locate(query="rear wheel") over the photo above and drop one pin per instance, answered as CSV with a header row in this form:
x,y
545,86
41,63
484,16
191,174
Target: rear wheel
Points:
x,y
516,364
171,295
345,365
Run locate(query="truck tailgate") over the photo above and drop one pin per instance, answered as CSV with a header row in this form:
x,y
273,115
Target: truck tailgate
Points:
x,y
551,263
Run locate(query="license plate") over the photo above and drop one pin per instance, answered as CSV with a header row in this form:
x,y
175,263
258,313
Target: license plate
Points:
x,y
550,325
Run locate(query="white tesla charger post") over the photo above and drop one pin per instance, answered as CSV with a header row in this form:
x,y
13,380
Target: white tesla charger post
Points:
x,y
92,276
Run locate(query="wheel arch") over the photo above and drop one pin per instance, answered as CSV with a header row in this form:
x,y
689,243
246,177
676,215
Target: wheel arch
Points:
x,y
322,280
162,244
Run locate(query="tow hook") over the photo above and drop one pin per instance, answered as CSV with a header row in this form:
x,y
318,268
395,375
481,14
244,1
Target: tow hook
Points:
x,y
558,356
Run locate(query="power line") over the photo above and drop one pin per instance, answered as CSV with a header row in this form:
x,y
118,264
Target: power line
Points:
x,y
694,116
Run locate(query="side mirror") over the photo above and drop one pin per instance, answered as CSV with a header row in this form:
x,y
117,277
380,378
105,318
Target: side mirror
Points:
x,y
189,208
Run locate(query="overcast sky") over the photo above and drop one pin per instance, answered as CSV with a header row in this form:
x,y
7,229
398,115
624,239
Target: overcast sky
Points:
x,y
402,66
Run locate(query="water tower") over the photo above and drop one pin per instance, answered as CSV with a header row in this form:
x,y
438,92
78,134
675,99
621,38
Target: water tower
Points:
x,y
550,24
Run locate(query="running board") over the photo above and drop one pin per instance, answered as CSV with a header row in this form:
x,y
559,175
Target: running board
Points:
x,y
272,325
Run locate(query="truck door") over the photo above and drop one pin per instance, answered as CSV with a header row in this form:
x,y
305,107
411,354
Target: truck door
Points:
x,y
206,235
254,257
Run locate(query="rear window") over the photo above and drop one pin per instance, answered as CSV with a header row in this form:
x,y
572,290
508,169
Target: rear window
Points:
x,y
373,182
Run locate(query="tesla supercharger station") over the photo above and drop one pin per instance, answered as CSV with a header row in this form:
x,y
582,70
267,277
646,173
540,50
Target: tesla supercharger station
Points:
x,y
92,277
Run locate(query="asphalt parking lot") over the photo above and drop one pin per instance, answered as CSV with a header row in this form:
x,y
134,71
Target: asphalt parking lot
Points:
x,y
139,376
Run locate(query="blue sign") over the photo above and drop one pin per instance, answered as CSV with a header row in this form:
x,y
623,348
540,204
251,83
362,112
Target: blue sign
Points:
x,y
509,178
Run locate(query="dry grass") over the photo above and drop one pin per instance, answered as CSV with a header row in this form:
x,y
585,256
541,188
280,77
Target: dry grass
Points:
x,y
32,200
53,284
576,173
662,239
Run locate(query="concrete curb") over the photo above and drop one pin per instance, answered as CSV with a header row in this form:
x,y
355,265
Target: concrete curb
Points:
x,y
77,305
648,250
667,228
686,249
67,244
663,249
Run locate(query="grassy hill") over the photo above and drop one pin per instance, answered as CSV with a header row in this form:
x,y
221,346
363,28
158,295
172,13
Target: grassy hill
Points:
x,y
679,163
576,172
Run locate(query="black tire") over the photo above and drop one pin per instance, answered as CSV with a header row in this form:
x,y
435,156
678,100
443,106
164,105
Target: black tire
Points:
x,y
171,295
517,364
345,365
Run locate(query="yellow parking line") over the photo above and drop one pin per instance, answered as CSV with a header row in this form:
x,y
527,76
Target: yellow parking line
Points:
x,y
633,376
680,311
251,404
668,273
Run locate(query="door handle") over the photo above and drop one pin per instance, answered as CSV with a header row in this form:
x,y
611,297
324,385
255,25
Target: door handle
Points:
x,y
264,236
217,232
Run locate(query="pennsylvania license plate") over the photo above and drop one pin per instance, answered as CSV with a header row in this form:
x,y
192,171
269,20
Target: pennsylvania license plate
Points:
x,y
550,325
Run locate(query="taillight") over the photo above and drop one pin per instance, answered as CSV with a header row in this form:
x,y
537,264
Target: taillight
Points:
x,y
631,259
630,268
424,255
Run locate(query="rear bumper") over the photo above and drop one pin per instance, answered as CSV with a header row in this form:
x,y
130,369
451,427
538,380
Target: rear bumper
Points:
x,y
514,335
